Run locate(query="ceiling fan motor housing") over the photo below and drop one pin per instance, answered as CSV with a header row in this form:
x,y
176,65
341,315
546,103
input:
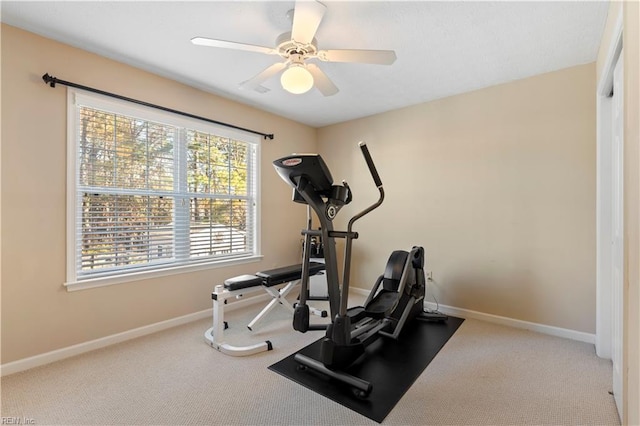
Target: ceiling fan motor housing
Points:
x,y
286,47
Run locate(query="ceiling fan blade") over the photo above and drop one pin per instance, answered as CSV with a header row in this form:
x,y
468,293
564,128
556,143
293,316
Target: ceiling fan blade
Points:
x,y
380,57
210,42
255,82
321,81
306,19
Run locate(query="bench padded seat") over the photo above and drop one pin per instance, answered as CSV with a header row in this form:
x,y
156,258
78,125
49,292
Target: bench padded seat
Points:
x,y
288,273
242,281
272,277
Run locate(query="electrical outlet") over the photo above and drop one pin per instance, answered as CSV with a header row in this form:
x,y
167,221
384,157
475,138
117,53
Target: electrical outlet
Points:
x,y
429,275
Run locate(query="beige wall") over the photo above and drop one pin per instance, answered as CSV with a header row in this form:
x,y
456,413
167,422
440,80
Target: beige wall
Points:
x,y
630,12
498,185
38,314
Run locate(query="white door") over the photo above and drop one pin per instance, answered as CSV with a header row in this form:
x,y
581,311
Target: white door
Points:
x,y
617,231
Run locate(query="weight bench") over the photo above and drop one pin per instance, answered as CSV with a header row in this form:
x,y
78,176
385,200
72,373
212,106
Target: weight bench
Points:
x,y
244,284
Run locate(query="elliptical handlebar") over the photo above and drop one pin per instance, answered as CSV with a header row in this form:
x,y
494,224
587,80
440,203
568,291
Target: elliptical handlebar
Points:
x,y
376,179
347,247
370,164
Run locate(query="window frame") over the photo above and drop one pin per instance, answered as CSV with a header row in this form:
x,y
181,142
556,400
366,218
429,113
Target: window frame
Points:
x,y
122,107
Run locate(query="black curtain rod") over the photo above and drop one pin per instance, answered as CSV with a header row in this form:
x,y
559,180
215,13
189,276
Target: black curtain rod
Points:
x,y
52,81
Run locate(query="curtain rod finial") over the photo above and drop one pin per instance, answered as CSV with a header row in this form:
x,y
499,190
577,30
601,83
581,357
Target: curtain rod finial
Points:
x,y
50,80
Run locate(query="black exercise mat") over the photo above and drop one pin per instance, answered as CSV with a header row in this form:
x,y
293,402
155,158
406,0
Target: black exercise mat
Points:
x,y
391,367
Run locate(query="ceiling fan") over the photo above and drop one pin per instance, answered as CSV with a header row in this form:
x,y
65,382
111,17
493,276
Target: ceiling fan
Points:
x,y
296,48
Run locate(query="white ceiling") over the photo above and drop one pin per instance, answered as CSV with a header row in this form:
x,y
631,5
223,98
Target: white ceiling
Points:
x,y
443,48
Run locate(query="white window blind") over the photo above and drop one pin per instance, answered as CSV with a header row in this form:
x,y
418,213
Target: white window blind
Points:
x,y
151,190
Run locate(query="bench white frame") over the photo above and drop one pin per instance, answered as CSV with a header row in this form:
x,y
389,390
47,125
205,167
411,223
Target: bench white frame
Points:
x,y
214,336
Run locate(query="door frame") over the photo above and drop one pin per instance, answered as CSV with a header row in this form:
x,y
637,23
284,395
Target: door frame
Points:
x,y
605,309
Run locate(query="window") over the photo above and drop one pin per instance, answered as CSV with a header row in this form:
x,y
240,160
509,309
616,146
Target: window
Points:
x,y
150,190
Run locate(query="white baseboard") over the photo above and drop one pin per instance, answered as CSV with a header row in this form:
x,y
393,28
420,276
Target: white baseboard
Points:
x,y
511,322
60,354
358,290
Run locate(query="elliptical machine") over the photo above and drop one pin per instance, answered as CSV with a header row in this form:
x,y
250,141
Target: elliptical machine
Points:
x,y
397,296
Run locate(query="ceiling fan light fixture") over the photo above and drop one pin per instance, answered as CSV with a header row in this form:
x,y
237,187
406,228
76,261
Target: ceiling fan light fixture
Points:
x,y
296,79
